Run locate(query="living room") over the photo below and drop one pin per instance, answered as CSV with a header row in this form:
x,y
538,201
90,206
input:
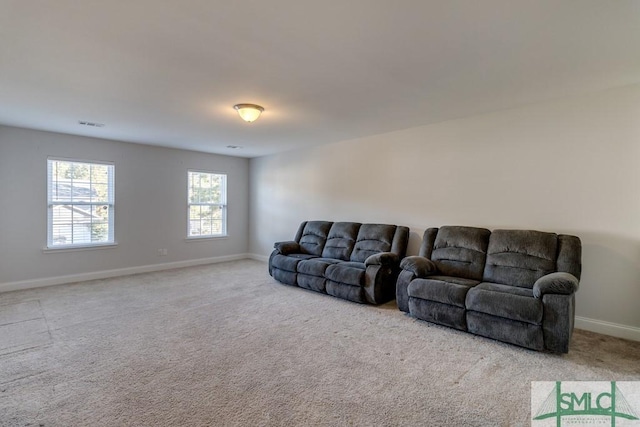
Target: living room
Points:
x,y
499,116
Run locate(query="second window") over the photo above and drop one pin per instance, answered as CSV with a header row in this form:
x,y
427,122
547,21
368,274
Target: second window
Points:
x,y
207,204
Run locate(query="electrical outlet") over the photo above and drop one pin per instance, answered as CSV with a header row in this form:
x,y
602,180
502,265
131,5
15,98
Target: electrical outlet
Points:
x,y
162,252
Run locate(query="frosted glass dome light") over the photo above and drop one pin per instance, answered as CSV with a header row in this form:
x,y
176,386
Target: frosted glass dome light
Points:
x,y
248,112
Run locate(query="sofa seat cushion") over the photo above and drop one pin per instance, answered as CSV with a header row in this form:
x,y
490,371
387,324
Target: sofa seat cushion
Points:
x,y
456,280
302,256
442,289
498,287
350,273
315,266
352,264
509,302
289,262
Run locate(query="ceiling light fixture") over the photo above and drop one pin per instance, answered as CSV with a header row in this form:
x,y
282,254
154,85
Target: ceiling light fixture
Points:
x,y
248,112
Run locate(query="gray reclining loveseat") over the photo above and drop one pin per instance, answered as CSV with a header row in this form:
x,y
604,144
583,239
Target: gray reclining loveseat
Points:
x,y
516,286
357,262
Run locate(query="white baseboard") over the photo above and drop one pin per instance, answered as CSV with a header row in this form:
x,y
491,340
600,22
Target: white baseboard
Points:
x,y
608,328
263,258
104,274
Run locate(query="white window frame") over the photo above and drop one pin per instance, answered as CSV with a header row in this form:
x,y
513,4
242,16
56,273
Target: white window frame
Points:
x,y
110,203
222,205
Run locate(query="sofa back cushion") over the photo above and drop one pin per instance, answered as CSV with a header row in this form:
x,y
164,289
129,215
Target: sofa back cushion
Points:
x,y
458,251
372,238
520,257
312,236
341,240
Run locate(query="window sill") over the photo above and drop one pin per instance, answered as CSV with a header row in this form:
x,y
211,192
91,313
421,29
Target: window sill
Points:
x,y
205,238
78,248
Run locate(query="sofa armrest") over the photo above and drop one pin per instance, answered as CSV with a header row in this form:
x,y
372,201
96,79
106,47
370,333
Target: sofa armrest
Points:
x,y
286,248
402,289
383,258
555,283
419,266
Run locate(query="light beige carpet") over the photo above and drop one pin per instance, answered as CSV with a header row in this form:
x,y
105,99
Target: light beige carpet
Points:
x,y
226,345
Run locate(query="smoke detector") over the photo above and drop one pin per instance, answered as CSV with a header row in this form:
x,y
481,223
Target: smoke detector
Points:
x,y
91,124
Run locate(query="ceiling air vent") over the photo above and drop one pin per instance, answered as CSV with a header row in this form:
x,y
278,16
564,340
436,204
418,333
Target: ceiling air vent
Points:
x,y
92,124
234,147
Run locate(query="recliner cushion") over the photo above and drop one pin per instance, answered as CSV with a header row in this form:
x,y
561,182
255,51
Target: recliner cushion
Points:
x,y
442,291
520,257
508,302
351,264
302,256
314,283
289,262
314,237
457,280
506,330
461,251
348,292
372,238
346,272
341,240
436,312
286,277
315,266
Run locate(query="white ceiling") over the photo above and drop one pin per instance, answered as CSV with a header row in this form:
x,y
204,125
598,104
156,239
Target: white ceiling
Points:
x,y
168,72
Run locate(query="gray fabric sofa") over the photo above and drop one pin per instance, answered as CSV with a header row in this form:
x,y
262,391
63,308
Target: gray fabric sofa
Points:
x,y
516,286
357,262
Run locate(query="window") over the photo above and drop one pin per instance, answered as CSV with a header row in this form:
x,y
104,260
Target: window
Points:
x,y
80,203
207,204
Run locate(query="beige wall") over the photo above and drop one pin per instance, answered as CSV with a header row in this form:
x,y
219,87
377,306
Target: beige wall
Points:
x,y
568,166
150,209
